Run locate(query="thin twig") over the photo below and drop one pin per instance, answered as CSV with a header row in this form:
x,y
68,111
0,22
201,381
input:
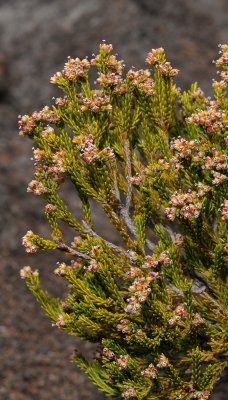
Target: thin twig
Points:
x,y
150,244
128,165
118,249
65,247
116,188
124,211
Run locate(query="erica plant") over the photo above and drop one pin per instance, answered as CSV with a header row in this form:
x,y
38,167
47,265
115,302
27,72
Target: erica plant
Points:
x,y
155,160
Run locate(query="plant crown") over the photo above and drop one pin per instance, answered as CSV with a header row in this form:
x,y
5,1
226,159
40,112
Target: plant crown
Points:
x,y
155,160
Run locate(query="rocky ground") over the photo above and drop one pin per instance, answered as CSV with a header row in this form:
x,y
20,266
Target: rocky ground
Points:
x,y
36,36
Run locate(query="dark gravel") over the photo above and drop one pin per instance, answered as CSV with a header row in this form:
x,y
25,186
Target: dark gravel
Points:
x,y
36,36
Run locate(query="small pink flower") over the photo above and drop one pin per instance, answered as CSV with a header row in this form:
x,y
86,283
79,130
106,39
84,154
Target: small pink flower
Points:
x,y
28,242
162,361
36,187
123,361
150,372
60,322
123,326
129,392
108,353
26,125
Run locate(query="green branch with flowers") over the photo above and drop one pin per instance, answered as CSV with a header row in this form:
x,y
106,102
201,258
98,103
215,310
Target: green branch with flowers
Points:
x,y
155,160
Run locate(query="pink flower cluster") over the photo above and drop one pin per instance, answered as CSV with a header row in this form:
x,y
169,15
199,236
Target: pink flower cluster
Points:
x,y
224,76
140,289
139,333
27,123
155,56
93,266
167,70
197,149
122,362
108,152
198,94
150,372
220,86
57,78
162,361
108,353
223,60
59,160
109,60
218,161
129,392
38,154
27,272
180,199
75,68
153,261
183,147
114,64
28,242
218,178
133,306
61,101
111,80
106,48
202,189
197,320
199,395
211,118
48,133
184,204
224,210
60,322
114,81
89,151
163,164
61,270
139,178
142,80
123,326
98,102
36,187
46,115
77,241
133,272
49,208
179,314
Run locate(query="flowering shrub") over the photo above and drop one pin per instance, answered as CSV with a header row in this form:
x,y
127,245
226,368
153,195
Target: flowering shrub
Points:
x,y
155,160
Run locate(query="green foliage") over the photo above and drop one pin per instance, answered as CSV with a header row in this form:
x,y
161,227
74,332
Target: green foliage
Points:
x,y
155,160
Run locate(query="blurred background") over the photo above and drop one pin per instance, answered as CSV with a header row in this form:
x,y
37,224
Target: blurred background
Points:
x,y
36,36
